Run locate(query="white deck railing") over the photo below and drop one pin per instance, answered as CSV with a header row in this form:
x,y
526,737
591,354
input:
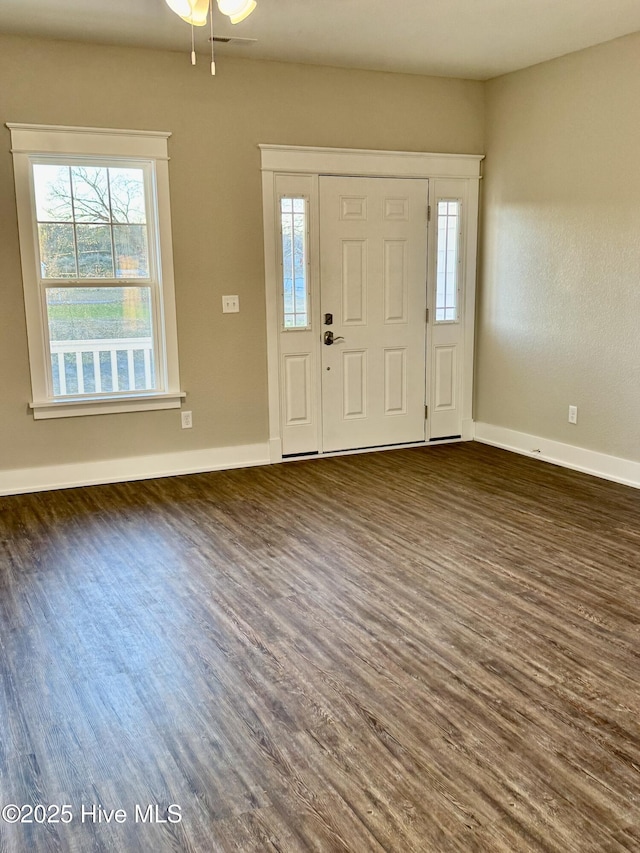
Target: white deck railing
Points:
x,y
120,380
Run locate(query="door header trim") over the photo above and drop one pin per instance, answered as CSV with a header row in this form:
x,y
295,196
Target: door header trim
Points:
x,y
368,162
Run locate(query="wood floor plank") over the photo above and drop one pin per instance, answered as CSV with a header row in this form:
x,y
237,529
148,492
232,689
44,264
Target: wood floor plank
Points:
x,y
434,649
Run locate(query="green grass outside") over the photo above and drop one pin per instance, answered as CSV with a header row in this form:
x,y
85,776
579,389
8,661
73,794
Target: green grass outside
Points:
x,y
99,320
98,311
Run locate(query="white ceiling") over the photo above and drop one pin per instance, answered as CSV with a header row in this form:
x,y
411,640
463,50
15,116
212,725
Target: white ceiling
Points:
x,y
454,38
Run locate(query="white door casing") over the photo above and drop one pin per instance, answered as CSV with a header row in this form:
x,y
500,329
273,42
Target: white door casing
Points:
x,y
295,355
373,274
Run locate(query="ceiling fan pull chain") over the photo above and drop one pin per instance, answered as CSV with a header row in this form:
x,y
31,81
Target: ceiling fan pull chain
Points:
x,y
213,59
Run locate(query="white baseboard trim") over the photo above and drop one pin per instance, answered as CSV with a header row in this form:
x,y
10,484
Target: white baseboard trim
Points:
x,y
21,480
567,455
275,449
468,429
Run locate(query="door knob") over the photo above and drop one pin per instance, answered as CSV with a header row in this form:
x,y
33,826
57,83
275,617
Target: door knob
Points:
x,y
329,339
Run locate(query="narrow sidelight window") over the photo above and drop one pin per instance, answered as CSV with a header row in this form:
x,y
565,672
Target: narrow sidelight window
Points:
x,y
295,267
448,262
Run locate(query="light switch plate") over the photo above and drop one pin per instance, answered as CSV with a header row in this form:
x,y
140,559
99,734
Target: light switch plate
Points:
x,y
230,304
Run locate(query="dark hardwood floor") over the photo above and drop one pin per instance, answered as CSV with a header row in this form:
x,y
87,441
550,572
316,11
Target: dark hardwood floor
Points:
x,y
421,650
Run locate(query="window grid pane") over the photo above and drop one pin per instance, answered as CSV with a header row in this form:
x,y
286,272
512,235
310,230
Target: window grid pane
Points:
x,y
100,340
92,221
448,260
293,225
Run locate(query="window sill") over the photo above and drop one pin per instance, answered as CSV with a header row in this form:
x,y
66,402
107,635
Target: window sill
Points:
x,y
78,406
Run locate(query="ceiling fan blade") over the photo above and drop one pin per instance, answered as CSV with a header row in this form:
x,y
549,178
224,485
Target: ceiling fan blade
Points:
x,y
233,40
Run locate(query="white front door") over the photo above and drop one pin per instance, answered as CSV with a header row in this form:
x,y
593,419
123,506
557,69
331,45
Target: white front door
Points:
x,y
373,274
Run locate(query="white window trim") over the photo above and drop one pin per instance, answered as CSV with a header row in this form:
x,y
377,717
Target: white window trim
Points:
x,y
28,142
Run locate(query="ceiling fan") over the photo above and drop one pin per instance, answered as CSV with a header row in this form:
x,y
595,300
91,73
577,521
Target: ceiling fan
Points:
x,y
195,12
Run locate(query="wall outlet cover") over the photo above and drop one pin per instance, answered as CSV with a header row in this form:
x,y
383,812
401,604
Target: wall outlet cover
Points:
x,y
230,304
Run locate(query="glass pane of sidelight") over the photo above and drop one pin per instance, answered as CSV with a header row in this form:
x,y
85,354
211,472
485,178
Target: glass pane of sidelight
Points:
x,y
100,339
448,261
295,285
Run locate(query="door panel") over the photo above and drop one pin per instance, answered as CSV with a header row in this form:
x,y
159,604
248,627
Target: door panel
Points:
x,y
395,381
354,373
396,281
373,270
354,282
297,389
445,378
353,208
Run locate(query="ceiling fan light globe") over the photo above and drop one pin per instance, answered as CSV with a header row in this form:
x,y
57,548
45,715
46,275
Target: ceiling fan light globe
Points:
x,y
236,10
250,6
192,11
180,7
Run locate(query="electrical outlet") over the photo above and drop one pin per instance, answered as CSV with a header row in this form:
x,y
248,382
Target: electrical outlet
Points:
x,y
187,420
230,304
573,414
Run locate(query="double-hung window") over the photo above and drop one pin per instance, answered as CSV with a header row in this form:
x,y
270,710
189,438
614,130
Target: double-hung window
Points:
x,y
95,241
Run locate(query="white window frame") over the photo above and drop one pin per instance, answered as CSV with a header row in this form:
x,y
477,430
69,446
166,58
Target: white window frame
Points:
x,y
32,144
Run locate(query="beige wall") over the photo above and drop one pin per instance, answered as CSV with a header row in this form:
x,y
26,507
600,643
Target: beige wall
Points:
x,y
217,215
559,315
